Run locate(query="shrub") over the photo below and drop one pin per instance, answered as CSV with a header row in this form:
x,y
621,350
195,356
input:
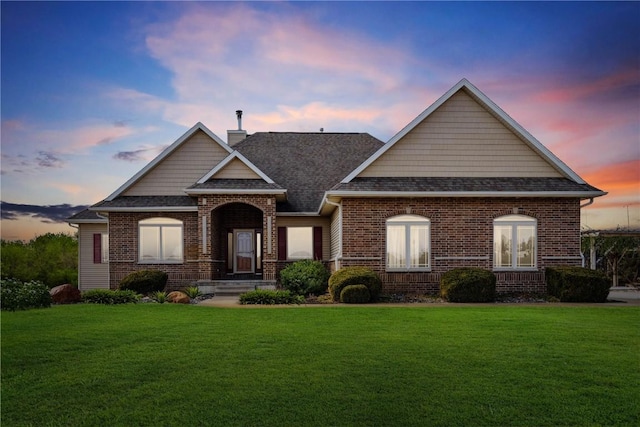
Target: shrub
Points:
x,y
159,296
107,296
270,297
577,284
18,295
305,277
354,276
468,285
144,281
355,294
192,291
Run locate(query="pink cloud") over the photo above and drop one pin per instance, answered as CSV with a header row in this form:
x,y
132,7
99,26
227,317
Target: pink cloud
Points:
x,y
84,137
578,91
221,57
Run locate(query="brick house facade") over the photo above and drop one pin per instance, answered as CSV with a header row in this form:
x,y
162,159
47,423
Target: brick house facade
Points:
x,y
461,185
462,236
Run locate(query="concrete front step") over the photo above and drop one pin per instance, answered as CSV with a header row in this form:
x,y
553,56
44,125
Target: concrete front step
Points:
x,y
232,288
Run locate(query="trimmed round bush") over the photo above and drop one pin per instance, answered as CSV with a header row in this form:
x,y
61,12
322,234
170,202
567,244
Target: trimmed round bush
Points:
x,y
270,297
355,276
18,295
577,284
144,281
355,294
305,277
468,284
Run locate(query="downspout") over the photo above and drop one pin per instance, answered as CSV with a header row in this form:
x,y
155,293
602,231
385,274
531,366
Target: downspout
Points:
x,y
339,254
590,202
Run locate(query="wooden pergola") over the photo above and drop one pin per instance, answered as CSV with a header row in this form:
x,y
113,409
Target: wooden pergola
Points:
x,y
592,234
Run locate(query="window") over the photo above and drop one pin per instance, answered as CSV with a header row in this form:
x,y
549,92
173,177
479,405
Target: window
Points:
x,y
100,248
408,243
160,240
514,242
300,243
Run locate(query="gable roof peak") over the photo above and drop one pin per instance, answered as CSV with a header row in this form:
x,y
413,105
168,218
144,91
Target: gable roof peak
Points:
x,y
166,153
492,108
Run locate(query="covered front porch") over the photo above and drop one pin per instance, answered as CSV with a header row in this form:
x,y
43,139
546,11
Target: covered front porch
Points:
x,y
239,234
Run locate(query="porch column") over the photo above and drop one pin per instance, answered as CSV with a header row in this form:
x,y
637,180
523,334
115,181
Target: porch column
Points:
x,y
270,240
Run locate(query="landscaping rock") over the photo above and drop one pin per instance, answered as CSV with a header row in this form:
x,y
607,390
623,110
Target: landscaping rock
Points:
x,y
178,297
65,294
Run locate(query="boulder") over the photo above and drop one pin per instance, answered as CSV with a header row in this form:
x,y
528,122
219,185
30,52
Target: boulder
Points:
x,y
178,297
65,294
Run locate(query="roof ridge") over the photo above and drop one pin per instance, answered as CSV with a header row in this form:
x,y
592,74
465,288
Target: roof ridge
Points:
x,y
316,133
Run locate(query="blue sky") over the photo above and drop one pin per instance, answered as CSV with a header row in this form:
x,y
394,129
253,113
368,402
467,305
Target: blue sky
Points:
x,y
92,91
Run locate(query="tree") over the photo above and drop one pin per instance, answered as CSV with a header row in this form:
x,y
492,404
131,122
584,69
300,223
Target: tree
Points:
x,y
50,258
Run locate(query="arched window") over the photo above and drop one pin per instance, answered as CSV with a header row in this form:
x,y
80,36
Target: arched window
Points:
x,y
160,240
408,243
514,242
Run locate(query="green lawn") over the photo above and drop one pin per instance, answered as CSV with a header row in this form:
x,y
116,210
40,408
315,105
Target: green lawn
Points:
x,y
151,364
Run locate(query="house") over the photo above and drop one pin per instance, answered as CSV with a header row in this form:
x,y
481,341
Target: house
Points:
x,y
462,184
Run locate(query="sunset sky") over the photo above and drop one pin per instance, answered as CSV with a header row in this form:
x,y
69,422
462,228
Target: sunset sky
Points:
x,y
92,91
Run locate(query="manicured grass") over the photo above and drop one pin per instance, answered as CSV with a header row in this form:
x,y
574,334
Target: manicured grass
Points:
x,y
152,364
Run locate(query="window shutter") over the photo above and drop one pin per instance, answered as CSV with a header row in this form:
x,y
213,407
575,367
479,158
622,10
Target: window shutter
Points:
x,y
317,243
97,248
282,243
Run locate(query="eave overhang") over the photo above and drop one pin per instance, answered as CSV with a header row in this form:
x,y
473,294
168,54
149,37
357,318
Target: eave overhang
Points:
x,y
402,194
145,209
336,196
88,221
200,191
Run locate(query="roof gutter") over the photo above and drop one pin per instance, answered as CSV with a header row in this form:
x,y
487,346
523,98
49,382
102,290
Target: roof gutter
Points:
x,y
581,194
232,191
146,209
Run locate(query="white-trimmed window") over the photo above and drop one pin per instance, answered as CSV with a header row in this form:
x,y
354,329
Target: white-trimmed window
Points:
x,y
160,240
514,242
408,243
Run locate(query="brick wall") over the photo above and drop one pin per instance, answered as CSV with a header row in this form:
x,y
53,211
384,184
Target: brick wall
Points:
x,y
461,235
123,248
200,262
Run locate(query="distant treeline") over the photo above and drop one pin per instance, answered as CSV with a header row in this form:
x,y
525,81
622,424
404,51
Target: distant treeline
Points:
x,y
50,258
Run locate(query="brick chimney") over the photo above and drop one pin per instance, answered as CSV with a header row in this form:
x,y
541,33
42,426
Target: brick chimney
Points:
x,y
235,136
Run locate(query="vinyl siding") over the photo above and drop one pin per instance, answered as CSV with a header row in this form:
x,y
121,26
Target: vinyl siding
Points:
x,y
236,170
335,233
460,139
181,169
90,275
289,221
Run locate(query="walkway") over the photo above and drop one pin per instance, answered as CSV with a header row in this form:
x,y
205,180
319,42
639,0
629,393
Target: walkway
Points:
x,y
620,296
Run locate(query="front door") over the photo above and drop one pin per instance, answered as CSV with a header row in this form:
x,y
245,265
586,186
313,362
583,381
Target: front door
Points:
x,y
244,253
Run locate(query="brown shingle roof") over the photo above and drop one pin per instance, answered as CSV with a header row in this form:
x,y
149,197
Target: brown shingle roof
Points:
x,y
85,216
235,184
307,164
146,202
465,185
